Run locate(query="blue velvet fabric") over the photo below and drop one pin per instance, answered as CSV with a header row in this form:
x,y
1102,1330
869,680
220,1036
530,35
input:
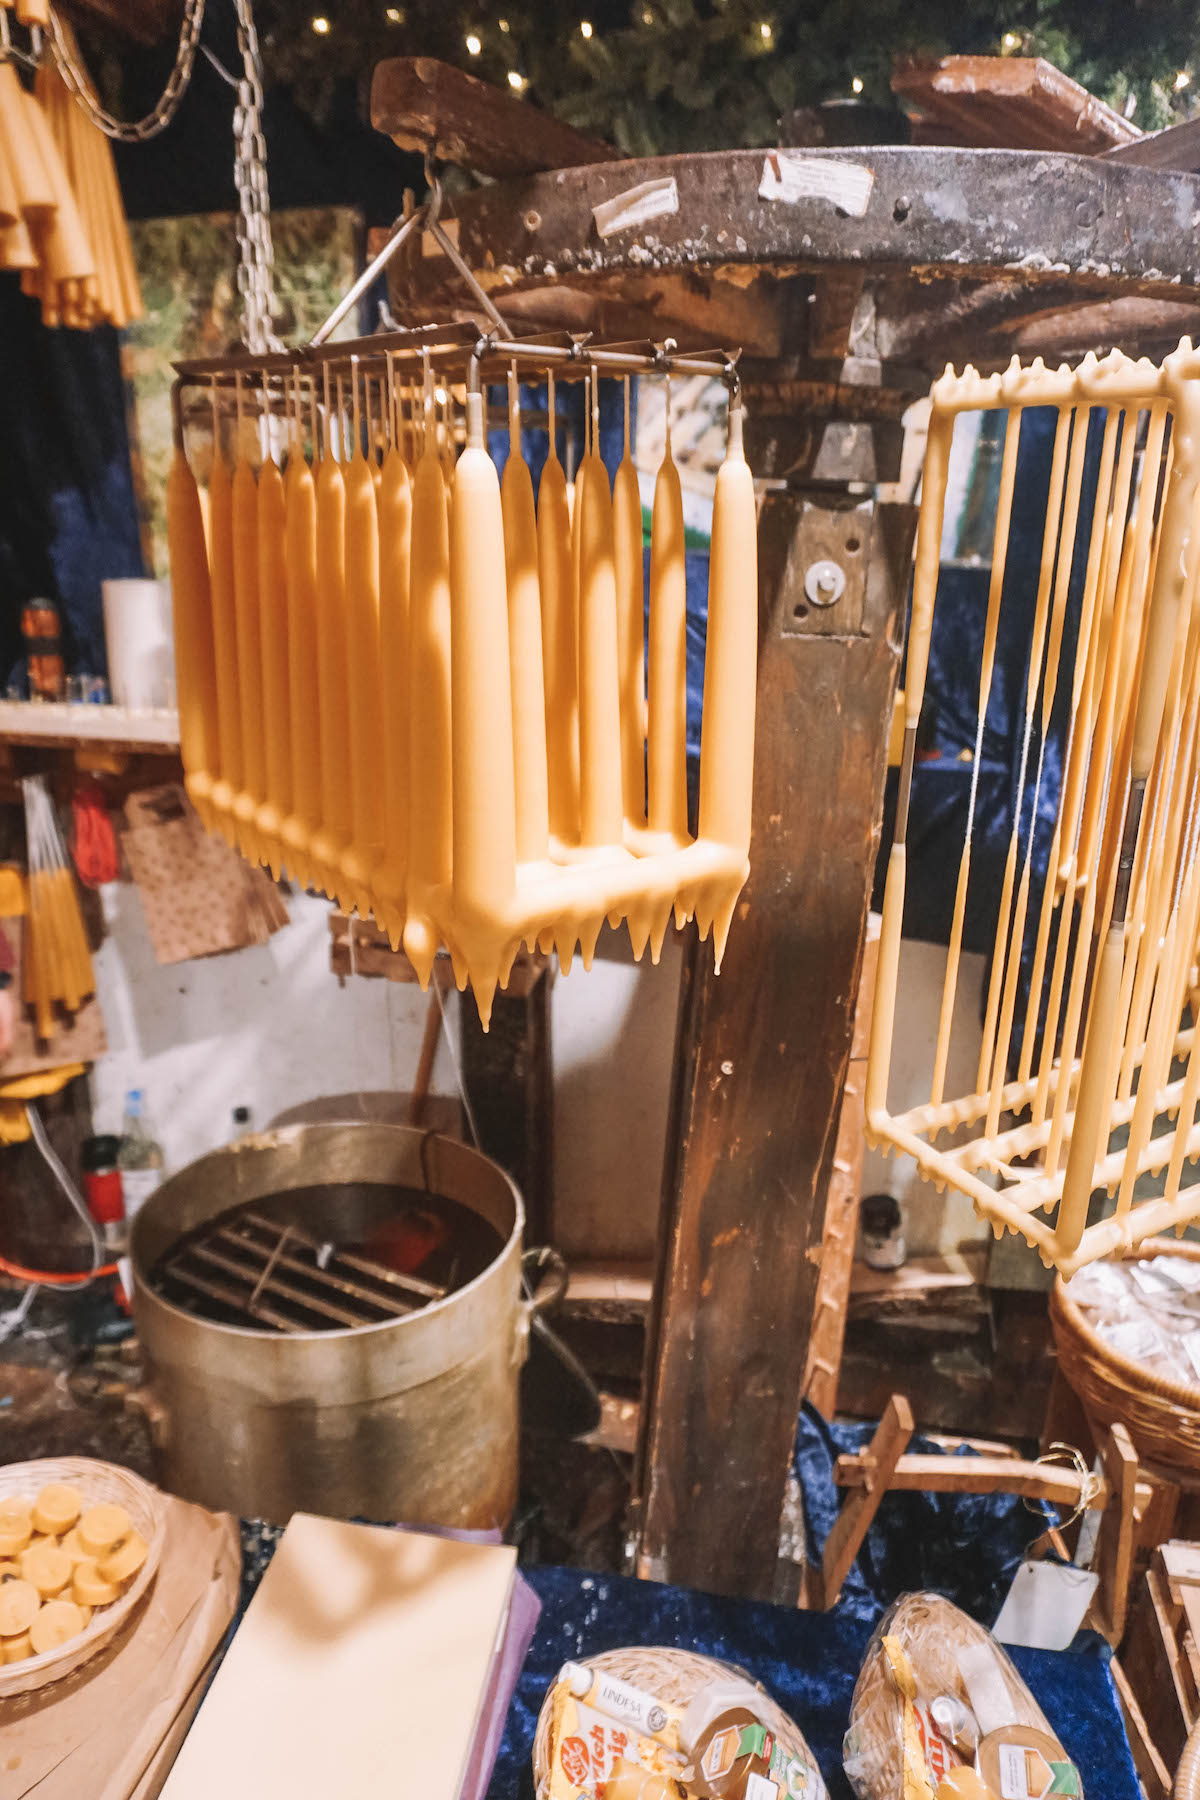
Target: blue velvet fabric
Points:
x,y
965,1546
808,1661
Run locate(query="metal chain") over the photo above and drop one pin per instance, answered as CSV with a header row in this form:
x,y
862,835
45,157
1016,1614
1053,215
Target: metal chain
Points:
x,y
136,131
256,266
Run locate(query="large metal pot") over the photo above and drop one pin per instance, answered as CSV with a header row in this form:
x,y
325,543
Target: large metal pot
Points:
x,y
412,1419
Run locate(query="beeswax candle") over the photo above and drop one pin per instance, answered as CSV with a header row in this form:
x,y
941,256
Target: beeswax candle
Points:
x,y
276,720
430,853
363,670
600,805
666,753
631,630
332,677
252,792
395,540
481,710
196,679
556,582
224,622
525,645
300,553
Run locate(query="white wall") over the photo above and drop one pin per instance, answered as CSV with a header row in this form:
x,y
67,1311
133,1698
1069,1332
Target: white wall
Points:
x,y
269,1028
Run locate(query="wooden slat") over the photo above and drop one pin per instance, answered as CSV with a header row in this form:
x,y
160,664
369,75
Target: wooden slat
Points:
x,y
877,1465
1114,1546
1178,147
1152,1771
971,1475
454,117
1008,103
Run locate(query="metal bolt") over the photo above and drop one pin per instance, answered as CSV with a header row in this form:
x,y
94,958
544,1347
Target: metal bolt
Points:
x,y
532,220
824,583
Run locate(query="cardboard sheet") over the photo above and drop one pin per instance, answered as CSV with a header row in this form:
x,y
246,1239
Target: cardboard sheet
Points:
x,y
359,1670
100,1733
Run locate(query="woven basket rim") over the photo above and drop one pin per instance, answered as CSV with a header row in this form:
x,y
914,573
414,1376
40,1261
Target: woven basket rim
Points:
x,y
35,1672
1134,1373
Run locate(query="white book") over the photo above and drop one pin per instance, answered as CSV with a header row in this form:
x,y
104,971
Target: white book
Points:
x,y
358,1671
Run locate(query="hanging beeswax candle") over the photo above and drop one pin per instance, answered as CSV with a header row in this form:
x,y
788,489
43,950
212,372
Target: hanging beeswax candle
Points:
x,y
300,556
627,568
666,754
196,678
482,716
395,536
330,843
252,793
601,810
273,605
430,854
224,625
363,668
556,581
525,644
730,680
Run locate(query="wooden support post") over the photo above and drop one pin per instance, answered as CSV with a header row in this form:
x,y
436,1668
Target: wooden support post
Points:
x,y
1114,1545
509,1080
857,1515
761,1062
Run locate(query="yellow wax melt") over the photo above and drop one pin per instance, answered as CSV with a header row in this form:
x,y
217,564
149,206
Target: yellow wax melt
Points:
x,y
125,1560
57,1621
56,1509
90,1588
19,1602
16,1649
102,1528
47,1567
70,1545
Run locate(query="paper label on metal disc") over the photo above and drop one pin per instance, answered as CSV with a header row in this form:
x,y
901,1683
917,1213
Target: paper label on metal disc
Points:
x,y
649,200
790,176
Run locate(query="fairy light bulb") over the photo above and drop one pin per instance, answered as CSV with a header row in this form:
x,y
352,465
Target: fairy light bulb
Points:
x,y
516,81
321,25
473,44
856,86
585,30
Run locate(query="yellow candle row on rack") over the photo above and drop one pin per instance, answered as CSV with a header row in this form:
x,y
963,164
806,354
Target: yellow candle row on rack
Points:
x,y
424,694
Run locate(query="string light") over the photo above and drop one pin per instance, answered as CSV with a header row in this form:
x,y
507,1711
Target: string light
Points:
x,y
856,85
765,32
647,16
1011,40
320,25
585,28
516,81
504,26
441,396
1182,80
473,44
395,16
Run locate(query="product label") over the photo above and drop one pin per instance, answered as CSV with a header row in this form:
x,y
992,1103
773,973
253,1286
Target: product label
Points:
x,y
759,1788
586,1755
137,1185
1025,1774
734,1742
940,1757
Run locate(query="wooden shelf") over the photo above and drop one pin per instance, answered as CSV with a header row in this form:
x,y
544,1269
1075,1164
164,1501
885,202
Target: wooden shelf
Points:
x,y
56,723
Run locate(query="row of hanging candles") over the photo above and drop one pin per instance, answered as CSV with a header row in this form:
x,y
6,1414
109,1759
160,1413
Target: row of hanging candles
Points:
x,y
425,696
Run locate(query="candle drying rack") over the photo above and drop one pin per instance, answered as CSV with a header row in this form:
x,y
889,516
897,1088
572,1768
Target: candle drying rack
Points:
x,y
1110,934
424,697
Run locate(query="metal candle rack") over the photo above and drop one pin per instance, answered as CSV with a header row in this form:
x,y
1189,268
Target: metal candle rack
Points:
x,y
427,698
1108,1043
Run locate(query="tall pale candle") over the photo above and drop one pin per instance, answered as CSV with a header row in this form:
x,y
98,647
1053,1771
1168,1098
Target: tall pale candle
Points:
x,y
395,540
273,606
332,681
666,754
430,825
525,648
224,618
556,580
631,646
365,677
252,792
601,811
196,677
300,551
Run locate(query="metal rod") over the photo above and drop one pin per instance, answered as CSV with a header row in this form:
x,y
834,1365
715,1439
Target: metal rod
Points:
x,y
399,233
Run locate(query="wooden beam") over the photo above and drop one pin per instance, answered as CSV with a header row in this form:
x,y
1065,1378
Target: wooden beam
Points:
x,y
1114,1544
877,1464
759,1073
1153,1772
1177,147
975,1475
454,117
1008,103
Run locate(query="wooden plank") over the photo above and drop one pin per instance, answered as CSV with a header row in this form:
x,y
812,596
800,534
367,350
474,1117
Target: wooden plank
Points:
x,y
1151,1661
841,1205
1153,1772
1008,103
1114,1544
1176,147
758,1083
878,1463
454,117
973,1475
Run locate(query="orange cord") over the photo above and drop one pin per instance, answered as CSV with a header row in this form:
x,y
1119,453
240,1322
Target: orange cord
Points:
x,y
53,1278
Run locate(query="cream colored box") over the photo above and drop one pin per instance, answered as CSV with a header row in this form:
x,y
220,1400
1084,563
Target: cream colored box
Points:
x,y
358,1671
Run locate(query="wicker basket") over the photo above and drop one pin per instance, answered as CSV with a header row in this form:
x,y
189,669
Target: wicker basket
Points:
x,y
98,1483
1162,1416
675,1676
